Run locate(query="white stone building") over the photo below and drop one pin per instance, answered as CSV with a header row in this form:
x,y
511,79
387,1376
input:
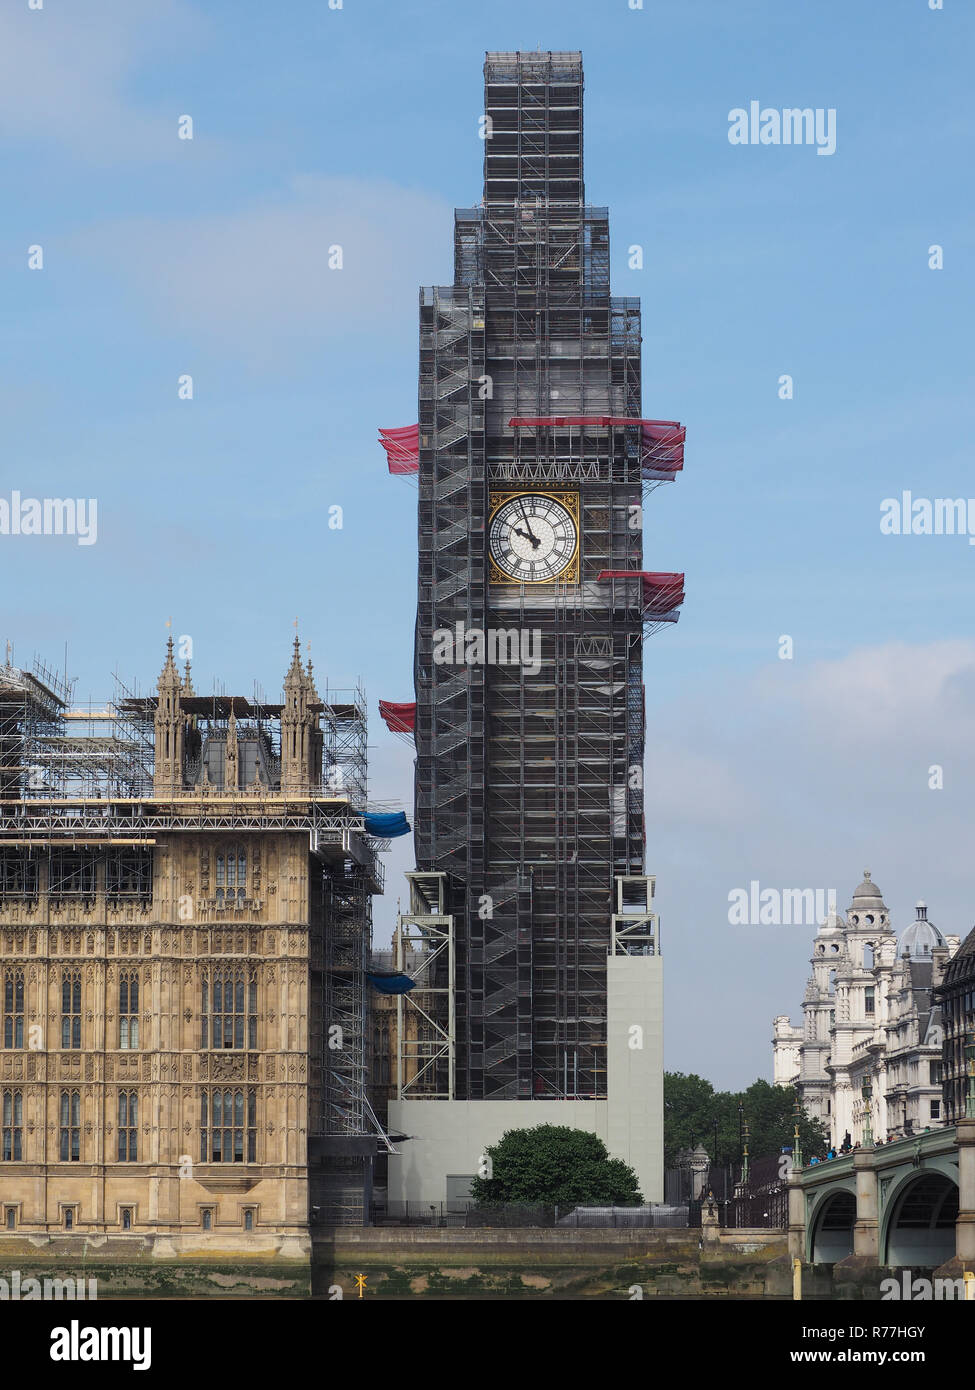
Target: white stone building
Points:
x,y
868,1016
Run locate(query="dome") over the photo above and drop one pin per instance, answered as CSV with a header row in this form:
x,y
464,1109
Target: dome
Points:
x,y
832,923
868,894
868,911
922,937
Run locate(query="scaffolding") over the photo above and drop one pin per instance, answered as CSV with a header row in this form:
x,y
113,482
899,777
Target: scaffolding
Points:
x,y
346,756
51,747
528,810
636,927
424,948
345,958
32,705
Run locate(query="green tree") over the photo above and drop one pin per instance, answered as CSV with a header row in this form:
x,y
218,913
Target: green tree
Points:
x,y
554,1164
770,1112
692,1107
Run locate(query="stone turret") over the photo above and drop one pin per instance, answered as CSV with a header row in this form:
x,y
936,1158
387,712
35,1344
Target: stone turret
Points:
x,y
301,738
231,767
168,722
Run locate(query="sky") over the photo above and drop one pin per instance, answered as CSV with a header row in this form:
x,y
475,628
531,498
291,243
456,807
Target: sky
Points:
x,y
164,258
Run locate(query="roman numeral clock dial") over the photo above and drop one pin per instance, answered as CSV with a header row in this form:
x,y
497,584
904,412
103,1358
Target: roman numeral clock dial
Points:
x,y
533,538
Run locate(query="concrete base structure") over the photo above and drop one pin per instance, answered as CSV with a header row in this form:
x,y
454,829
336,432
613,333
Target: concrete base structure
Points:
x,y
448,1137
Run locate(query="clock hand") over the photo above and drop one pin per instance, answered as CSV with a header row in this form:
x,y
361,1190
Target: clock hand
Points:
x,y
531,533
528,536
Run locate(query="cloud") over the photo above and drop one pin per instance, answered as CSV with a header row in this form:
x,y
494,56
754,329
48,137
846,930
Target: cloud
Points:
x,y
800,777
898,693
257,282
65,70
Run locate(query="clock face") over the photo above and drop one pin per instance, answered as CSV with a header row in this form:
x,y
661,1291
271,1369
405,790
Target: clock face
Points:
x,y
533,538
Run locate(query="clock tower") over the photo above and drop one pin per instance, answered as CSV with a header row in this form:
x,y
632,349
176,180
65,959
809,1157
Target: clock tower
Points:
x,y
532,464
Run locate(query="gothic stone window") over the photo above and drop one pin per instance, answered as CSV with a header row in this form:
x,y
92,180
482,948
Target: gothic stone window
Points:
x,y
71,1009
231,876
229,1012
13,1008
12,1112
128,1009
128,1126
70,1126
228,1125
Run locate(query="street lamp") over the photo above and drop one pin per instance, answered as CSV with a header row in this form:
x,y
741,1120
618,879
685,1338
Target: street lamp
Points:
x,y
970,1059
866,1091
796,1149
744,1159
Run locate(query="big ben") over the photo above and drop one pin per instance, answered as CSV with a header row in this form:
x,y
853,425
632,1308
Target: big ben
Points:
x,y
532,462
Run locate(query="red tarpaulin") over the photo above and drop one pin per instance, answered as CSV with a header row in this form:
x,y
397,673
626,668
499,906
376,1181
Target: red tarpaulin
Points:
x,y
662,593
400,718
402,447
662,452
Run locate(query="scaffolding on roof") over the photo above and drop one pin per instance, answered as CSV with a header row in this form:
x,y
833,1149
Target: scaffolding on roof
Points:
x,y
52,748
346,754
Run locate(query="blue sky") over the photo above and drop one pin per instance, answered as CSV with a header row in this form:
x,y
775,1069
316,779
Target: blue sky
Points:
x,y
359,127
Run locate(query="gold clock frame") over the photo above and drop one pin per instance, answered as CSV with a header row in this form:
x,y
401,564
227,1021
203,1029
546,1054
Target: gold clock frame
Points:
x,y
569,574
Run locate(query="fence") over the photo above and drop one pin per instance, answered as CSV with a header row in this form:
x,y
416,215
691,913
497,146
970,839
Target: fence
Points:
x,y
448,1214
759,1204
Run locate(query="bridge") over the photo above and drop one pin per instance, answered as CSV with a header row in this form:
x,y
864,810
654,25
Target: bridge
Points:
x,y
910,1203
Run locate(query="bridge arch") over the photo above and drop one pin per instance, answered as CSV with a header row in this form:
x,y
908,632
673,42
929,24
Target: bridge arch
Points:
x,y
918,1226
831,1223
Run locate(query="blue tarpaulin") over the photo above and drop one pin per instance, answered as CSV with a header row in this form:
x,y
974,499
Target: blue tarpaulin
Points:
x,y
387,825
390,982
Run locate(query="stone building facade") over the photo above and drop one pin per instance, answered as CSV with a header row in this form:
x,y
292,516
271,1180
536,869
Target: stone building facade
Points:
x,y
956,996
870,1016
169,980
